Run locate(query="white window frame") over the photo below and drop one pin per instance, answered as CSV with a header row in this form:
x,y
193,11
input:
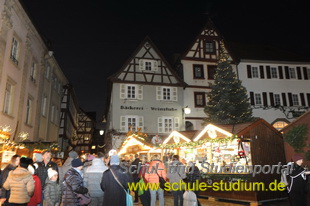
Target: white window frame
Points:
x,y
258,99
138,95
274,73
255,72
15,50
125,120
295,99
8,98
162,91
47,71
33,72
148,65
29,111
277,99
164,128
292,73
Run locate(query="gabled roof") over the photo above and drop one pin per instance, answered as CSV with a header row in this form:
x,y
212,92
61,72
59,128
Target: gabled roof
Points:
x,y
134,140
174,134
293,123
115,76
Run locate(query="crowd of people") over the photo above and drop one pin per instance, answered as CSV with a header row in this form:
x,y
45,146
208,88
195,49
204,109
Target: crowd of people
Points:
x,y
104,180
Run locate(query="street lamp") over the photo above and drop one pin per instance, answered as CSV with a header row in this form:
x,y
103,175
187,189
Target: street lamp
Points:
x,y
101,132
187,110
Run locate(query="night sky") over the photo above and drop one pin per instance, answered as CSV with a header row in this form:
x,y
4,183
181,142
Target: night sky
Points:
x,y
92,39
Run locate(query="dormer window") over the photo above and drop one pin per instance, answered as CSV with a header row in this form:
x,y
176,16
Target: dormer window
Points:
x,y
148,65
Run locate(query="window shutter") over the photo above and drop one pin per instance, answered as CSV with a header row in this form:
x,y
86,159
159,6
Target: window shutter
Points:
x,y
287,74
249,70
141,123
141,64
280,72
298,72
265,99
308,98
158,93
155,65
140,92
305,73
160,124
284,99
268,72
302,98
176,124
174,94
252,98
123,123
122,92
262,74
271,99
290,99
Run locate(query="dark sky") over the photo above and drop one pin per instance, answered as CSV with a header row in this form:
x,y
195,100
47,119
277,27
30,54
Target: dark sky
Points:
x,y
92,39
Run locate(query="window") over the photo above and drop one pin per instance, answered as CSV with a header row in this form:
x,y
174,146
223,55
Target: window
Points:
x,y
131,123
33,72
167,124
255,72
277,100
295,100
15,50
47,71
55,82
53,113
279,125
200,99
198,71
131,91
167,93
274,73
210,47
292,73
148,65
258,99
44,104
56,116
29,111
211,71
8,98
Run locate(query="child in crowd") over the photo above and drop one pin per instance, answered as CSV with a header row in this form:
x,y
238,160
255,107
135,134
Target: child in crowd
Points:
x,y
52,190
37,195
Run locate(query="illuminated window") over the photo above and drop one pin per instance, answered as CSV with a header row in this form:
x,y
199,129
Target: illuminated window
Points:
x,y
280,125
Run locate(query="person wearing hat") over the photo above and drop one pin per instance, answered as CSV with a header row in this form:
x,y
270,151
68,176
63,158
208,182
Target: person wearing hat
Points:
x,y
297,182
114,193
67,165
52,191
21,183
73,184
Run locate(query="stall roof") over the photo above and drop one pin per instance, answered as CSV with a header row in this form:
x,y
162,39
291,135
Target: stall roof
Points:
x,y
134,140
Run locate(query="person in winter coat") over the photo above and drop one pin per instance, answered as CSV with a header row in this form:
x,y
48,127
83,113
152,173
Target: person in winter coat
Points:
x,y
152,177
176,174
92,178
298,182
192,176
135,175
44,166
114,193
37,194
67,165
52,190
21,184
73,184
5,194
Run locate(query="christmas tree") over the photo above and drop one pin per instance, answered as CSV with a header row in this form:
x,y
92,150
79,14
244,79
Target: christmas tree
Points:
x,y
228,102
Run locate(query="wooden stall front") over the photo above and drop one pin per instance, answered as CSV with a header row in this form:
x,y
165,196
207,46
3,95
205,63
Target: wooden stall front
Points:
x,y
256,143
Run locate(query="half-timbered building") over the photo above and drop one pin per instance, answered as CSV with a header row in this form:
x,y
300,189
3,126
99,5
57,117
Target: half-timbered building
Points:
x,y
277,81
145,94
